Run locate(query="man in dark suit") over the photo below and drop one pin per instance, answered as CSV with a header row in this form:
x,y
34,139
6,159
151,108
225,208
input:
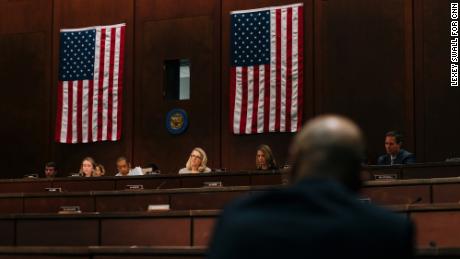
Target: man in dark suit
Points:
x,y
320,215
50,170
395,154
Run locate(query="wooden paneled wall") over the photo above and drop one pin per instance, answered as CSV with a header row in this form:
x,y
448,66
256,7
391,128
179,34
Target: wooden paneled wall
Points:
x,y
364,51
436,107
173,30
384,63
25,81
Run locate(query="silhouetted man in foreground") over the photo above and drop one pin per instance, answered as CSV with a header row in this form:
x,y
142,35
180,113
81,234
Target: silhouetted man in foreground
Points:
x,y
320,215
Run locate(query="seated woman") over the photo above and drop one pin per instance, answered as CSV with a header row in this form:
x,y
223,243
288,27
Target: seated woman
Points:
x,y
196,163
100,170
265,159
88,167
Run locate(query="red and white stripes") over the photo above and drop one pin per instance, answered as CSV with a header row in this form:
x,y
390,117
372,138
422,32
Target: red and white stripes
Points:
x,y
90,110
268,97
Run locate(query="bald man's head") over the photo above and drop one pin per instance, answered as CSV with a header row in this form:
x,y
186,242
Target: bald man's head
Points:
x,y
329,146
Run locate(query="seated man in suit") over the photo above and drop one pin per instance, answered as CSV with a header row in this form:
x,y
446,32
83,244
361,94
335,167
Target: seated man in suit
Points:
x,y
320,215
395,154
50,170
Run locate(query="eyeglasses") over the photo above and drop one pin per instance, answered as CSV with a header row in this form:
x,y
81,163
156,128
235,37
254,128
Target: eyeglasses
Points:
x,y
195,156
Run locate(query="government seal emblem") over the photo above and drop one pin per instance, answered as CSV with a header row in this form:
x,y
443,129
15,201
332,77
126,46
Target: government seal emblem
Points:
x,y
176,121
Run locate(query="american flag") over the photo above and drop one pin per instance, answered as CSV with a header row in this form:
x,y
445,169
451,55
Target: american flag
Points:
x,y
266,77
90,84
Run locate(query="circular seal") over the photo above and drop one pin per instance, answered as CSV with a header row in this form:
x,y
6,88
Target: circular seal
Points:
x,y
176,121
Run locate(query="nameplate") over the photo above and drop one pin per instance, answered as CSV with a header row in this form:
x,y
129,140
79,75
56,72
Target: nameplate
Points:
x,y
156,207
134,187
365,200
69,210
54,189
31,176
75,175
385,176
212,184
150,172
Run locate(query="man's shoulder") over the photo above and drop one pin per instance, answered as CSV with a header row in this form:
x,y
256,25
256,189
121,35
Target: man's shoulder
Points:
x,y
306,212
302,195
320,199
251,201
378,215
270,201
406,153
382,160
407,157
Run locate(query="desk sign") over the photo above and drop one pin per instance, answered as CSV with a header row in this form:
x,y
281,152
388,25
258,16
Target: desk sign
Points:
x,y
365,200
150,171
134,187
385,176
156,207
212,184
54,189
31,176
69,210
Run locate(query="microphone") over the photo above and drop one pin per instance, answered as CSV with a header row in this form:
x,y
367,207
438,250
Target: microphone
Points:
x,y
161,184
417,200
